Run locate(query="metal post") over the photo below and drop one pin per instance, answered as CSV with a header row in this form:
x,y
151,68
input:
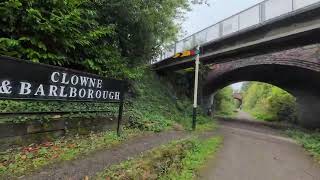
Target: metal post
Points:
x,y
292,5
195,98
262,12
120,111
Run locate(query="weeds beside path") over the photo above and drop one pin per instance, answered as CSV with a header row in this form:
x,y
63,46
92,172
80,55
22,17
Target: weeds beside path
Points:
x,y
176,160
93,163
98,161
308,140
22,160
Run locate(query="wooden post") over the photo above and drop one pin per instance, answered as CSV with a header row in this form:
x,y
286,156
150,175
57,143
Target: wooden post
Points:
x,y
120,111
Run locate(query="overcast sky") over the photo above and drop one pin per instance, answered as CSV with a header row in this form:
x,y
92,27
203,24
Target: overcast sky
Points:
x,y
203,16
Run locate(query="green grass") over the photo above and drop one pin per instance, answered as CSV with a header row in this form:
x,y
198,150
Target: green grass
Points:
x,y
15,162
309,140
209,126
176,160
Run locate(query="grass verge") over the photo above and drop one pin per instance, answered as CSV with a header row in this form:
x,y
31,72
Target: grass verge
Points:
x,y
309,140
176,160
16,162
209,126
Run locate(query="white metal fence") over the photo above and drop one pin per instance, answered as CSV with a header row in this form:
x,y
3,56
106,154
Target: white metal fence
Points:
x,y
255,15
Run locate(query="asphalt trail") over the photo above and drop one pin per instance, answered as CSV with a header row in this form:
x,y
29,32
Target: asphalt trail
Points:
x,y
259,153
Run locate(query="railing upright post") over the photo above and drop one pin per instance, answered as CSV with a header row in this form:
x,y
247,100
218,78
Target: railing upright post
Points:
x,y
238,22
206,37
262,12
220,29
292,5
193,41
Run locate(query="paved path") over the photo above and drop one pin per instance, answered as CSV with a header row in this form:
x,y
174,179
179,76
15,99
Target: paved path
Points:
x,y
259,153
244,115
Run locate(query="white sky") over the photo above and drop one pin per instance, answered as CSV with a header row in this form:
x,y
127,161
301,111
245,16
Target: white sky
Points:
x,y
203,16
237,86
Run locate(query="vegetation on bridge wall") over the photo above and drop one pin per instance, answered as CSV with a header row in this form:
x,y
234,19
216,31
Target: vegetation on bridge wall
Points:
x,y
267,102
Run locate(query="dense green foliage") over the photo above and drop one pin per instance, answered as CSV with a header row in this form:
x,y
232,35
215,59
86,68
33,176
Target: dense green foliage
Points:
x,y
267,102
155,108
114,38
309,140
108,37
225,104
177,160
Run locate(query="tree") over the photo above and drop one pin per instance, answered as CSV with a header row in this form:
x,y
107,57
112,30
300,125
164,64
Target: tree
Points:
x,y
223,101
268,102
108,37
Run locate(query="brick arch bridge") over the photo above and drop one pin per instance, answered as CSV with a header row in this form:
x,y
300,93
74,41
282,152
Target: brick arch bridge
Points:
x,y
296,71
238,97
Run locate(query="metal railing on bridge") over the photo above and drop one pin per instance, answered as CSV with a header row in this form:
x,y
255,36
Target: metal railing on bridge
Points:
x,y
253,16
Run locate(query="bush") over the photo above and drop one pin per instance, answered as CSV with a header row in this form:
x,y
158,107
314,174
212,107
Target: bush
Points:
x,y
270,103
154,108
224,102
177,160
112,38
310,141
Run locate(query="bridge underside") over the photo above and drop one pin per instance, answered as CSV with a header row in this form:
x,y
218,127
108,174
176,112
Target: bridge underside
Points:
x,y
296,71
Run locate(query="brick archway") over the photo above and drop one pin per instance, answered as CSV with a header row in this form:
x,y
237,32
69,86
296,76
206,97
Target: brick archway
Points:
x,y
296,71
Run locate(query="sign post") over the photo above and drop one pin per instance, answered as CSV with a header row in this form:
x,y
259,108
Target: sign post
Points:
x,y
120,113
195,97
